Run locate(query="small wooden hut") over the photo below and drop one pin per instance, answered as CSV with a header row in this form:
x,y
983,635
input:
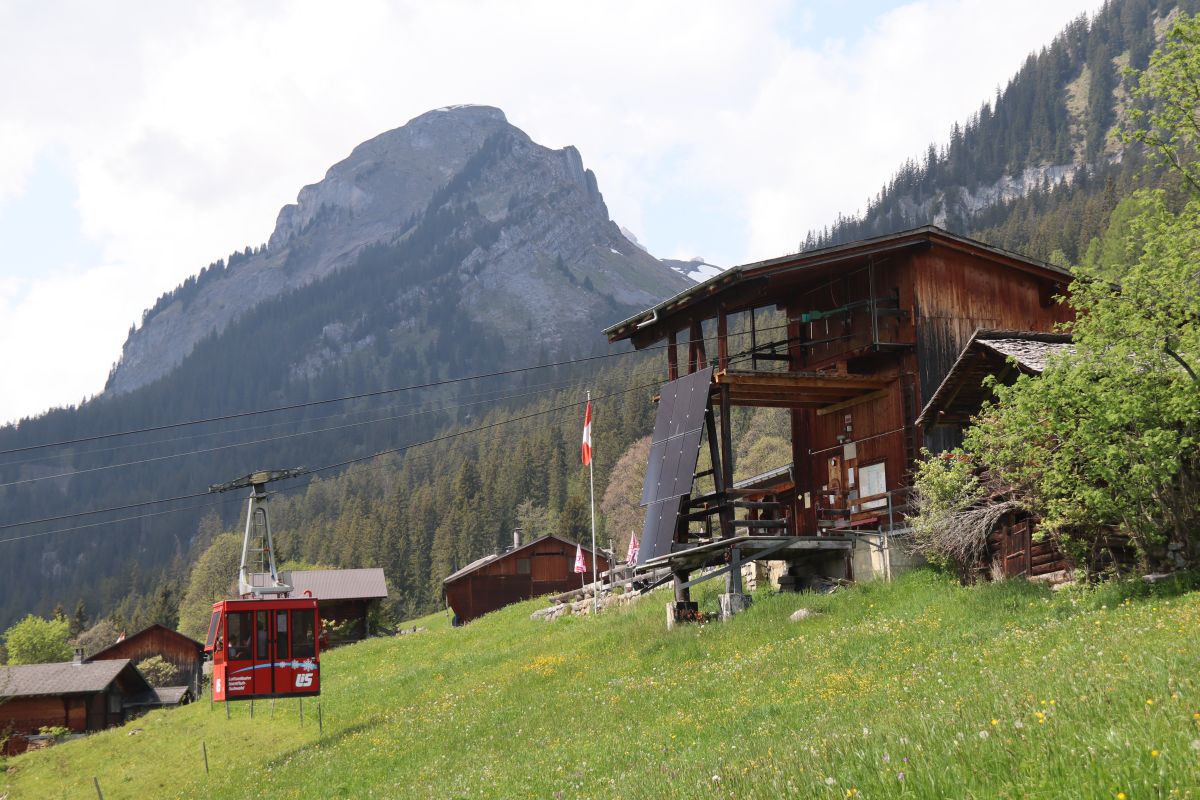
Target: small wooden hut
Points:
x,y
543,566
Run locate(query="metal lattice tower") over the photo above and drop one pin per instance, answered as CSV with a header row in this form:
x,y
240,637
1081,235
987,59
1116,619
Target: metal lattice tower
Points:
x,y
257,545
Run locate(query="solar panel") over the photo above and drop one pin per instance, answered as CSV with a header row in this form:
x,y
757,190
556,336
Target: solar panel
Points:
x,y
675,443
659,529
674,450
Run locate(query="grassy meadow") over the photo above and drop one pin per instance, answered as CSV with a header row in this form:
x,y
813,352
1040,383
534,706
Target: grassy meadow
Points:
x,y
919,688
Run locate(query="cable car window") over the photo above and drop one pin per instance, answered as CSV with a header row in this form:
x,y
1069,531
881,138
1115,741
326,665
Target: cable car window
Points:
x,y
281,635
241,631
263,637
304,640
214,623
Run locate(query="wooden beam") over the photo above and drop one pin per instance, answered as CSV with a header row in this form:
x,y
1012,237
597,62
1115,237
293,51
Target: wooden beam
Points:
x,y
853,401
801,380
722,339
672,357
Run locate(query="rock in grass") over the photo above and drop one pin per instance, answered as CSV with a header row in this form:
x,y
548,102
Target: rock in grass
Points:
x,y
801,613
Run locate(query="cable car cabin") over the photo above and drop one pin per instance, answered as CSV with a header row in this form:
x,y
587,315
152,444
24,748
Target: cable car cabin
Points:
x,y
264,648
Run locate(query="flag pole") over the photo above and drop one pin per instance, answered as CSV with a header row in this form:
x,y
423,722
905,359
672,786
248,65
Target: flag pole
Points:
x,y
592,504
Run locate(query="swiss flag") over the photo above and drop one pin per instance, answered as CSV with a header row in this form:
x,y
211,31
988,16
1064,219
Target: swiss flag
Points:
x,y
580,566
587,435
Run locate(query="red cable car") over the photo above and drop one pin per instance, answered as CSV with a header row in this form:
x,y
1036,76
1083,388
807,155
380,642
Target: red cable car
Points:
x,y
266,644
265,648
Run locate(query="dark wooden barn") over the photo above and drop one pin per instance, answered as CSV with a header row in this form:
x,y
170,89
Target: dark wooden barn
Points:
x,y
81,696
182,652
852,340
543,566
1012,550
345,598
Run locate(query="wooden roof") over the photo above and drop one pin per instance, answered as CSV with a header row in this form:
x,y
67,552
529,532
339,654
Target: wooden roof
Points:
x,y
748,285
33,680
161,630
338,584
989,352
483,562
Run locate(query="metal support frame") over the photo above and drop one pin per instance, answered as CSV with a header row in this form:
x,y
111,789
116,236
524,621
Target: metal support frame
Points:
x,y
759,556
257,520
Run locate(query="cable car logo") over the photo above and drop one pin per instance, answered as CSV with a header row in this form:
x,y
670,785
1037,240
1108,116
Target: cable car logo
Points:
x,y
303,679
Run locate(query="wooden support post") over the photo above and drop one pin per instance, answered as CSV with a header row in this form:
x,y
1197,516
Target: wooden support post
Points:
x,y
204,749
733,581
320,720
726,437
301,712
726,464
697,335
672,357
722,339
251,708
227,708
96,783
683,594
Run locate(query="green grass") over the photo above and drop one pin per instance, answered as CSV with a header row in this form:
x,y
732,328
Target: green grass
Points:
x,y
919,688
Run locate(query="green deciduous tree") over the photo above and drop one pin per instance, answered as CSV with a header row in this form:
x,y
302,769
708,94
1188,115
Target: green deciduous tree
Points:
x,y
34,640
1107,438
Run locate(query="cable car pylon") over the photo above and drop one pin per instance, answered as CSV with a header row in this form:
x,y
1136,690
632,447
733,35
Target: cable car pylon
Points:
x,y
265,644
258,527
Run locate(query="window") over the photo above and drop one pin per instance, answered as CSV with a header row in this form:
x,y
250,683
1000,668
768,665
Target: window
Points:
x,y
241,631
263,637
522,566
872,480
281,635
304,640
214,624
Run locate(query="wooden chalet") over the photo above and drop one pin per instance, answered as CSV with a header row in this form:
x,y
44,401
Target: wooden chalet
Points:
x,y
543,566
852,340
345,598
182,652
81,696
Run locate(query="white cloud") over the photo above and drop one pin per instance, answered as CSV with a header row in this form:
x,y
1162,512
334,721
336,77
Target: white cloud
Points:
x,y
186,127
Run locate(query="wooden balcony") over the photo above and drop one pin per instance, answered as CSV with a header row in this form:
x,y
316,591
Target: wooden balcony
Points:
x,y
825,391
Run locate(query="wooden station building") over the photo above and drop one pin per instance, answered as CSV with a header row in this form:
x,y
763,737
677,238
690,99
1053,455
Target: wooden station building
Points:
x,y
543,566
852,340
182,652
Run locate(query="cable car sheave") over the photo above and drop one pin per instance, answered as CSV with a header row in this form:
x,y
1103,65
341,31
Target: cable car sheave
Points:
x,y
265,644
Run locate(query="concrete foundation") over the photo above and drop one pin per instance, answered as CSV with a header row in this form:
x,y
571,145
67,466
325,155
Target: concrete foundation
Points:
x,y
733,604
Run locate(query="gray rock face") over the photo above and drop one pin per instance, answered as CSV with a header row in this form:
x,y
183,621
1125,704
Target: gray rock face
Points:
x,y
558,261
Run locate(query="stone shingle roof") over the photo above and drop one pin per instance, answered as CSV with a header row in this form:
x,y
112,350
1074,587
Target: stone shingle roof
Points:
x,y
1030,353
32,680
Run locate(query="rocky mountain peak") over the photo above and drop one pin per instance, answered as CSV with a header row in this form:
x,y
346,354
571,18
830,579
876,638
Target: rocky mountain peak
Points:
x,y
547,253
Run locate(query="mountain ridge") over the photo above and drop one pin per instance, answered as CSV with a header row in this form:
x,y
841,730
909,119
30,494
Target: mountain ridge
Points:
x,y
373,197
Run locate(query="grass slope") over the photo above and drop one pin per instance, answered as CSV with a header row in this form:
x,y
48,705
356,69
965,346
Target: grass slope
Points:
x,y
920,688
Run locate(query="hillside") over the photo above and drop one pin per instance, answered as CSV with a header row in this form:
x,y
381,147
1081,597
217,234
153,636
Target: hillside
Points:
x,y
917,688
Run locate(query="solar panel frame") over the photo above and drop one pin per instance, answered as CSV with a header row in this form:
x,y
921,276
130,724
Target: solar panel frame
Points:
x,y
674,451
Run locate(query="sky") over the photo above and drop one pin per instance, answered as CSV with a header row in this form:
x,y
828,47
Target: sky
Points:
x,y
141,141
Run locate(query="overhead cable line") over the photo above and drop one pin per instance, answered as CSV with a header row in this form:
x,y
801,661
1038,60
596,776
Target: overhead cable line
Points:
x,y
336,465
345,398
268,439
489,394
311,472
